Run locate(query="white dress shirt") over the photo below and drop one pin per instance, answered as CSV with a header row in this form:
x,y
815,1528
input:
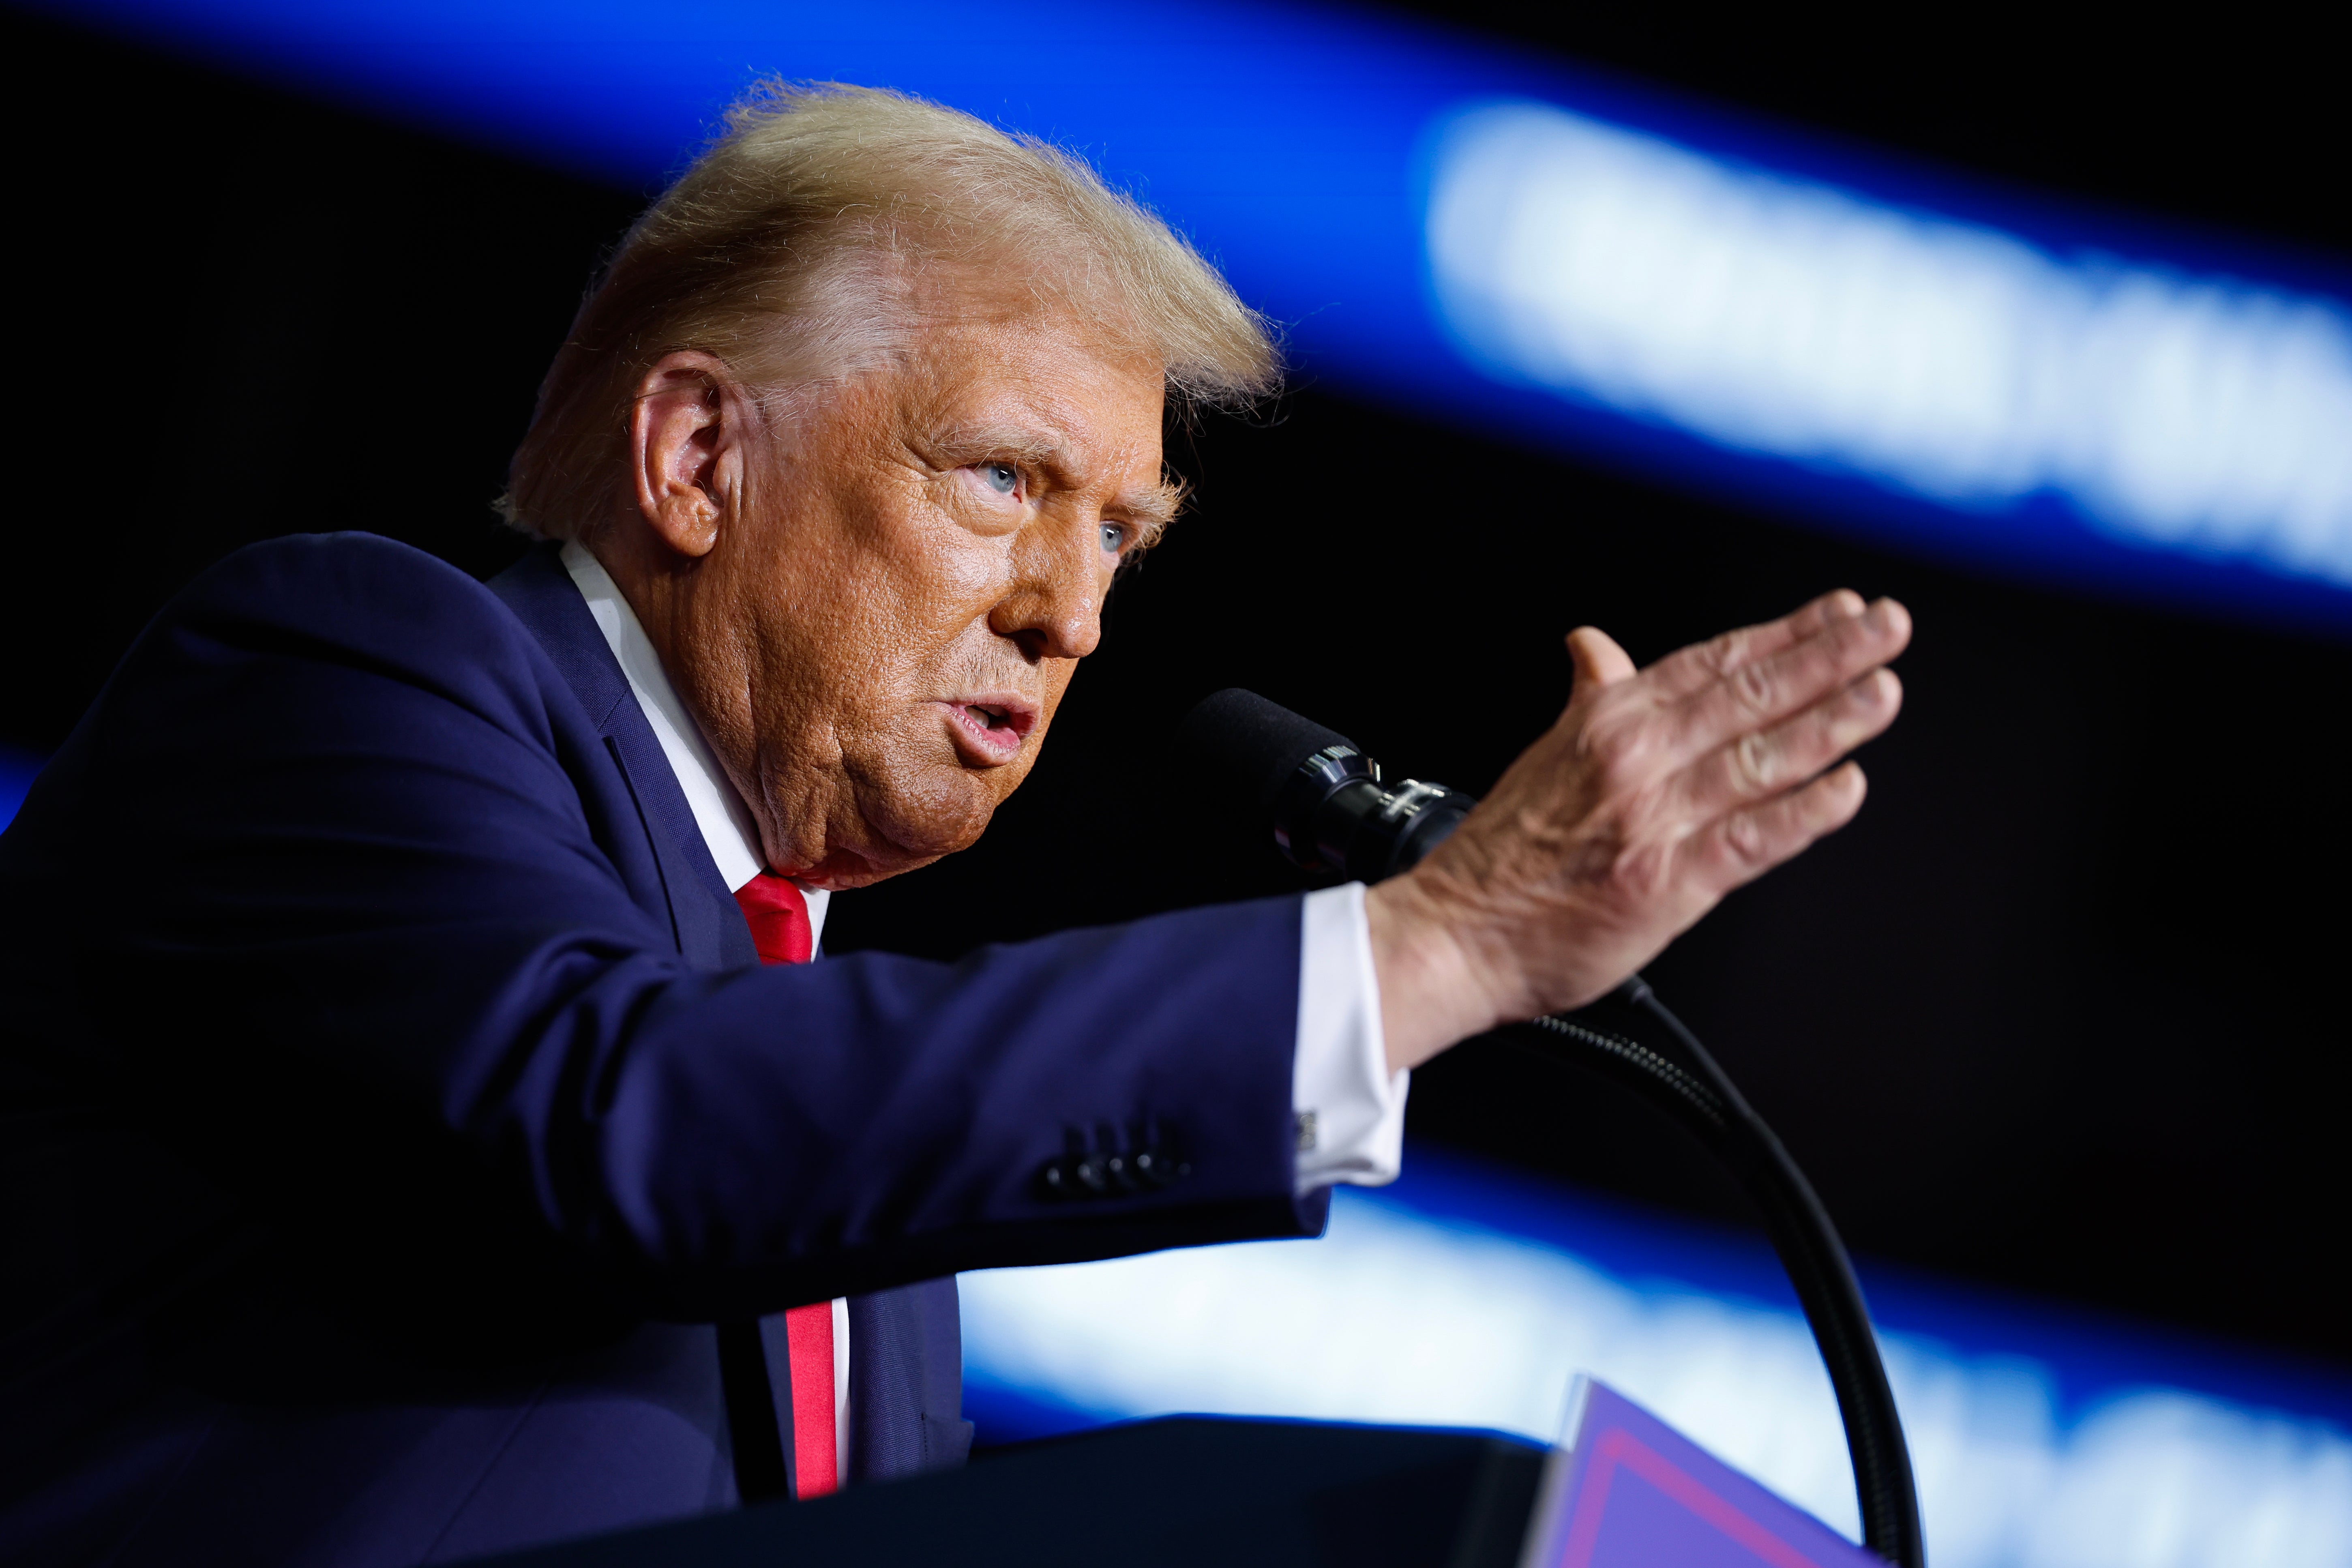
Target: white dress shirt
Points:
x,y
1349,1108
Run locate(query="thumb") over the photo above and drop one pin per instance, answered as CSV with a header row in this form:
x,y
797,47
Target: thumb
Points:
x,y
1599,660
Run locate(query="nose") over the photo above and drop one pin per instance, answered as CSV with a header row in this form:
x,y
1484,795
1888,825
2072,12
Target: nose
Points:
x,y
1053,609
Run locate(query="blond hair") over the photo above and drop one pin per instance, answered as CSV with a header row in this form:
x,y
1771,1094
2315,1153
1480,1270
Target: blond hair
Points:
x,y
797,247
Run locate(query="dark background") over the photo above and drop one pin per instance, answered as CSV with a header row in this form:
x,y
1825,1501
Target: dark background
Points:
x,y
2060,1012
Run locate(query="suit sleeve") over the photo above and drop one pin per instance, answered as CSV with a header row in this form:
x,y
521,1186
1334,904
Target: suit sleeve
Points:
x,y
343,928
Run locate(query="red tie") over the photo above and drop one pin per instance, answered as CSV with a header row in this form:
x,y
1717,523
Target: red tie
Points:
x,y
779,917
780,929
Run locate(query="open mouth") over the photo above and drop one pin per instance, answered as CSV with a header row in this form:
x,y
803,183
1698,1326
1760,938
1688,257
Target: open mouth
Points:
x,y
989,730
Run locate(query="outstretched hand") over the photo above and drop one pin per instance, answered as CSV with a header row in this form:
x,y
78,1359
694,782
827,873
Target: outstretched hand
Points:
x,y
1657,792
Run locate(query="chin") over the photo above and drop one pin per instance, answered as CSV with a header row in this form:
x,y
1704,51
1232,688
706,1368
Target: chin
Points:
x,y
909,826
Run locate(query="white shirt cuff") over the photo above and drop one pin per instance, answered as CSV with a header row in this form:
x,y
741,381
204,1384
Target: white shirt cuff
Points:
x,y
1349,1107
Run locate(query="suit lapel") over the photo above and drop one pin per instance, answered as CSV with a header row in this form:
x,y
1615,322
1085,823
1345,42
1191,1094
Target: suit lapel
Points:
x,y
708,928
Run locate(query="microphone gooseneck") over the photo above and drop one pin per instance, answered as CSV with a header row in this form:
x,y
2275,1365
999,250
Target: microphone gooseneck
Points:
x,y
1331,813
1703,1098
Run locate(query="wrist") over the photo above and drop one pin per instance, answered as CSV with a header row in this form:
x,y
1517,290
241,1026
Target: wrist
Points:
x,y
1434,988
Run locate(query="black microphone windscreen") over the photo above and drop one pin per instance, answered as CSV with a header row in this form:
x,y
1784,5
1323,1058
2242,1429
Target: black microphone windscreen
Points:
x,y
1254,744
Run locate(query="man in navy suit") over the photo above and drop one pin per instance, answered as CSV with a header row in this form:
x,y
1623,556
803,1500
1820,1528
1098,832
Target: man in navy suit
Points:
x,y
423,1137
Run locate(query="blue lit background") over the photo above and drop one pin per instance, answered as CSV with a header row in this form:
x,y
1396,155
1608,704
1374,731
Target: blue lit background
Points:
x,y
1903,355
1467,1295
2167,416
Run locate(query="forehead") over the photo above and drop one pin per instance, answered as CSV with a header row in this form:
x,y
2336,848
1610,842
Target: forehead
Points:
x,y
1046,377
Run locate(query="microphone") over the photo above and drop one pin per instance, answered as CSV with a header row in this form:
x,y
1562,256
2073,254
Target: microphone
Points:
x,y
1330,810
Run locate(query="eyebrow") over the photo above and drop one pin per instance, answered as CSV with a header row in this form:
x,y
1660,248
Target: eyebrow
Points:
x,y
1152,511
970,443
1151,508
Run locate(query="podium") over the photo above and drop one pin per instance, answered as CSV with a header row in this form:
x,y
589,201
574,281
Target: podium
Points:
x,y
1187,1490
1623,1490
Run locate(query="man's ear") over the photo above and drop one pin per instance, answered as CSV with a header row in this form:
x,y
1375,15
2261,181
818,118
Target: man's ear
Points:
x,y
686,441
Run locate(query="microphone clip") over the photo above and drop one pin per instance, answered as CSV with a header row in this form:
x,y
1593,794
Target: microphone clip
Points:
x,y
1335,815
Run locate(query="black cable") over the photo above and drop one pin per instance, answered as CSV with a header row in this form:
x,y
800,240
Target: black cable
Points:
x,y
1700,1095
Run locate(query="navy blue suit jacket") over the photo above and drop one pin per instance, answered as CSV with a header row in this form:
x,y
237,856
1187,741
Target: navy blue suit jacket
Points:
x,y
391,1100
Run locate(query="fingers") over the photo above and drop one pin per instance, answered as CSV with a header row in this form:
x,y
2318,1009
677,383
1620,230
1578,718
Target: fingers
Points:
x,y
1743,845
1704,664
1763,762
1764,690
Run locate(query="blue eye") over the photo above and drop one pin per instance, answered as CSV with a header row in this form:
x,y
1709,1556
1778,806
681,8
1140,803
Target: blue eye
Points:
x,y
1114,538
1002,477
